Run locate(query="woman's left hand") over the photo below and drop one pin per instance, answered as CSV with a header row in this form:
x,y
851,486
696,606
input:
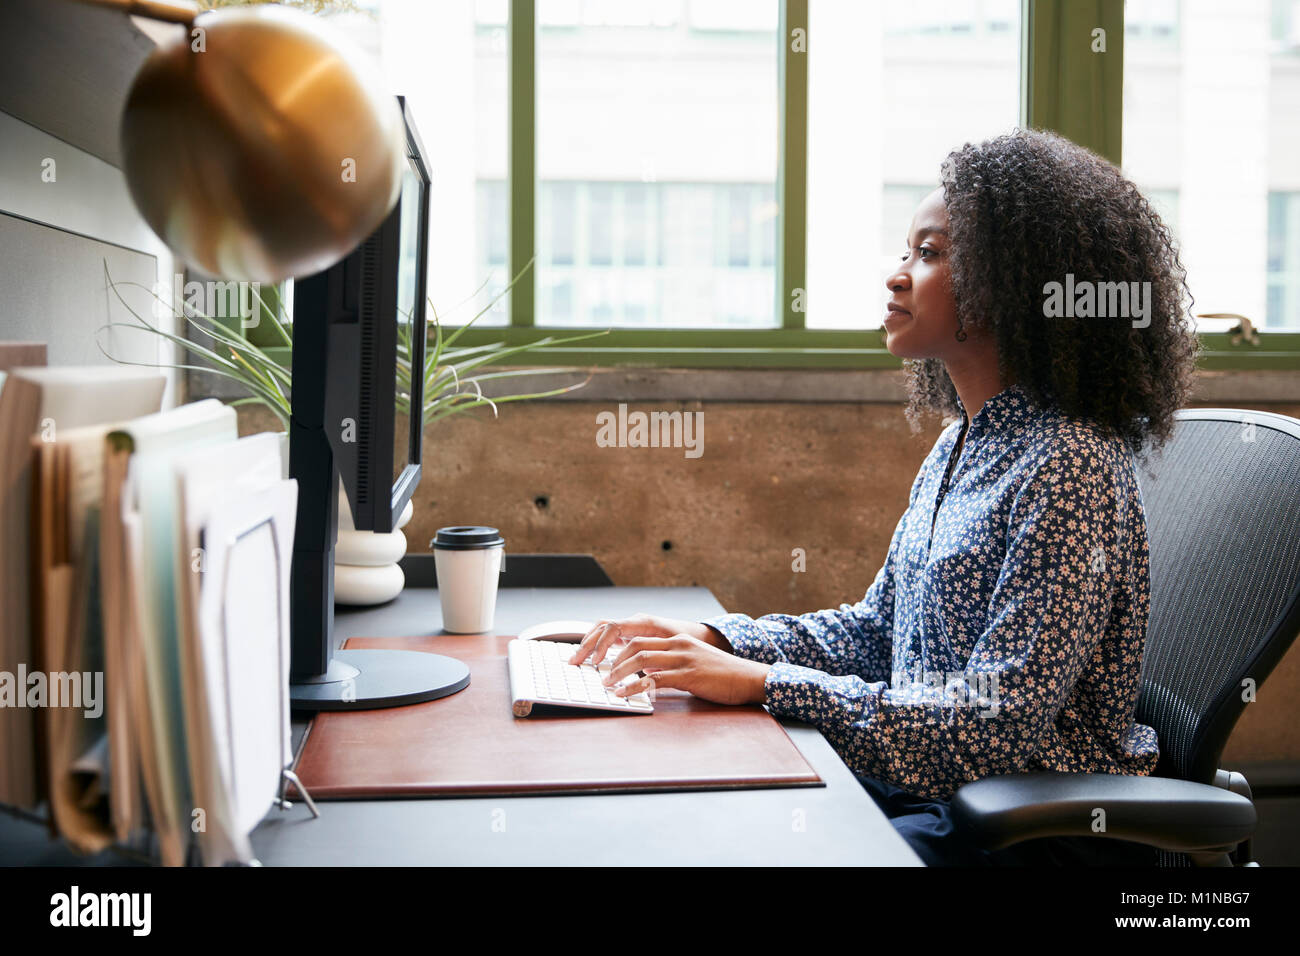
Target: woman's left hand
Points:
x,y
689,664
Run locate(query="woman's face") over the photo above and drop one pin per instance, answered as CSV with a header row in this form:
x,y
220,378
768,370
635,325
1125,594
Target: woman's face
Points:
x,y
921,318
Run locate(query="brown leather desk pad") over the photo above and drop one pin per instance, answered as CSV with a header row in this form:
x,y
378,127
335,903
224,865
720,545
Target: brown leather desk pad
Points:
x,y
471,744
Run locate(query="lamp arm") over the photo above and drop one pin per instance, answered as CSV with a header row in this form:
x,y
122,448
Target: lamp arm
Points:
x,y
168,11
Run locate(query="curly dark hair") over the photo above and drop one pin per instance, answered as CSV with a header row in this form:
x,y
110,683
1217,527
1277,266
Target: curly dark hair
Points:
x,y
1024,209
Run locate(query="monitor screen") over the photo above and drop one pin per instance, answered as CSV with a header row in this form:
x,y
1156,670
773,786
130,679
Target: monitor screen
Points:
x,y
410,274
410,289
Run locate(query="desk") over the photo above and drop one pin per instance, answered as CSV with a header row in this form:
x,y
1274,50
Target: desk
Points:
x,y
840,822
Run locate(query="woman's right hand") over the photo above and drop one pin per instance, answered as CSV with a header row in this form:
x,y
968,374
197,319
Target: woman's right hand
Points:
x,y
597,642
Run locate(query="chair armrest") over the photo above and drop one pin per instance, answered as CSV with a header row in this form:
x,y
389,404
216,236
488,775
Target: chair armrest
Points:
x,y
1171,814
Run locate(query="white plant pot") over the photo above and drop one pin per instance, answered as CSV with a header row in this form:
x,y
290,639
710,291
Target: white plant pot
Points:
x,y
362,587
365,562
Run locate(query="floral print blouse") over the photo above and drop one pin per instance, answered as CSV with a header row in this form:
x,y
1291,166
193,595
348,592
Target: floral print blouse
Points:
x,y
1004,633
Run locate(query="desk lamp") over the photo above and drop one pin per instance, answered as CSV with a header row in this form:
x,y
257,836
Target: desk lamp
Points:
x,y
259,146
257,143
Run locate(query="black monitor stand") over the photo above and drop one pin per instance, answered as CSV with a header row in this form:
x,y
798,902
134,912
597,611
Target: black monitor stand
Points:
x,y
321,678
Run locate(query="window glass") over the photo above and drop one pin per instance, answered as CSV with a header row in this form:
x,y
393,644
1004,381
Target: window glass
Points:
x,y
892,89
449,60
659,118
1211,92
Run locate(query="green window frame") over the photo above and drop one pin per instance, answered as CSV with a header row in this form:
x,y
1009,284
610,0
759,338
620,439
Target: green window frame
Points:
x,y
1062,87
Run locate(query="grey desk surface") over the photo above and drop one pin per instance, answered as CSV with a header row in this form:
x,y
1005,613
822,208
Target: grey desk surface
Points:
x,y
835,824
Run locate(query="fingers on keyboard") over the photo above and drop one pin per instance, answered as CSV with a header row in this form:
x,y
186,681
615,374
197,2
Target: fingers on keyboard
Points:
x,y
557,681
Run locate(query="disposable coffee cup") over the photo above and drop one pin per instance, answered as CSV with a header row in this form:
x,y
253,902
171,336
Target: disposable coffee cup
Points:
x,y
469,560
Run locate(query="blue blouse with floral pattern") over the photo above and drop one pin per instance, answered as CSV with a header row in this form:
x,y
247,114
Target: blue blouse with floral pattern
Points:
x,y
1004,632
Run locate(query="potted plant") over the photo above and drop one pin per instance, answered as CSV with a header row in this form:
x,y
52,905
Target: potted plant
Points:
x,y
452,377
265,370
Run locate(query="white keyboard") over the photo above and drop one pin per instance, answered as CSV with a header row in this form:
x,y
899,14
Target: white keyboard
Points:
x,y
540,673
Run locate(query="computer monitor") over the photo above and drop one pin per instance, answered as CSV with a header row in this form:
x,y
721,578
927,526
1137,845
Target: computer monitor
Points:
x,y
352,420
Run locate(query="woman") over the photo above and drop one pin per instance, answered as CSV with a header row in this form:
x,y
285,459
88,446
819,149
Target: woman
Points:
x,y
1005,631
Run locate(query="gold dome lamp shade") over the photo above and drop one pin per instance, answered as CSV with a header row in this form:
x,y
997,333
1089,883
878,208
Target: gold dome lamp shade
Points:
x,y
257,142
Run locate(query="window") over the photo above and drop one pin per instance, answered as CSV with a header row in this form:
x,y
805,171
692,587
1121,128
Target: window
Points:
x,y
1210,97
560,213
1285,22
494,223
449,60
600,219
636,224
659,118
893,89
657,132
1283,261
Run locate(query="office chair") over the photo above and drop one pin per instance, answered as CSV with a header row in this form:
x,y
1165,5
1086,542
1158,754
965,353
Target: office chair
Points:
x,y
1223,520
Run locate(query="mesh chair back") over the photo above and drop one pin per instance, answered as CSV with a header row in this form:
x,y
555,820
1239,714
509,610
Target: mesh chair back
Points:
x,y
1223,519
